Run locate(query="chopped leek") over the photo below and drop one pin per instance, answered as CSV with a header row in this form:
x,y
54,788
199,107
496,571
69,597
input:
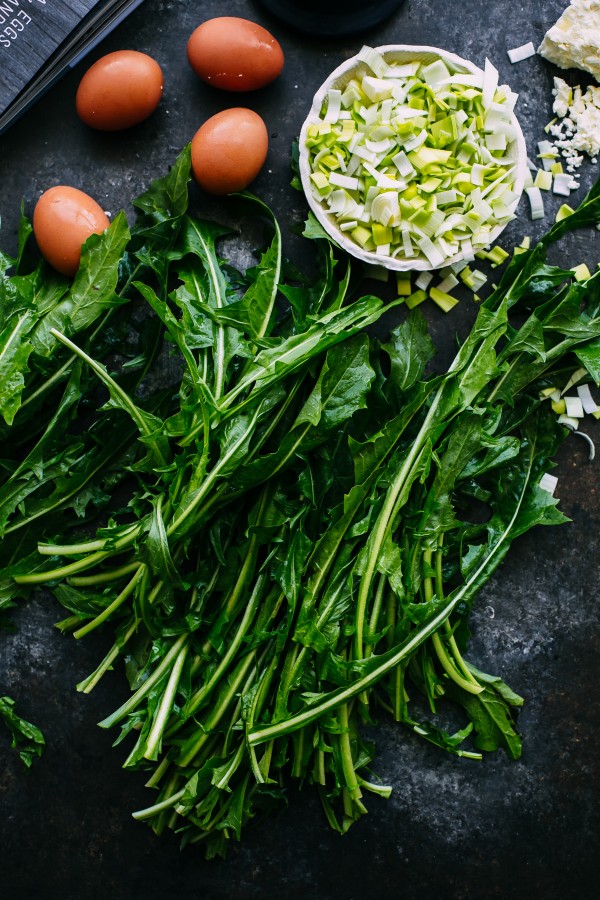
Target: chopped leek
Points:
x,y
587,401
543,180
576,377
548,482
573,407
547,152
416,298
497,255
581,272
473,278
589,442
551,392
521,248
422,153
537,204
564,211
423,280
518,54
569,422
403,285
445,301
562,184
448,282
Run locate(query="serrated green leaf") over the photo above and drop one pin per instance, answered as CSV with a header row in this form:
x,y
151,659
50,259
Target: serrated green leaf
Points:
x,y
410,348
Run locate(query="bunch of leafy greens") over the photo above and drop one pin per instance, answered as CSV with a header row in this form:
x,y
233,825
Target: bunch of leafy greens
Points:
x,y
292,550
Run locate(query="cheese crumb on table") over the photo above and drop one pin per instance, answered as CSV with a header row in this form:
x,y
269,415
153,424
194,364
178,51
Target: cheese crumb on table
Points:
x,y
574,41
578,129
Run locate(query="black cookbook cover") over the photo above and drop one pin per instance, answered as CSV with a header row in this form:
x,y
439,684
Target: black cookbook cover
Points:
x,y
40,39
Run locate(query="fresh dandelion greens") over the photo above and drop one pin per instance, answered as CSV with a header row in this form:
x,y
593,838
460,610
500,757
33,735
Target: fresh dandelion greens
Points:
x,y
297,553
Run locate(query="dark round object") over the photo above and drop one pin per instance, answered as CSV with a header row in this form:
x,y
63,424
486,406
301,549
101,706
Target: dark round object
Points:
x,y
340,17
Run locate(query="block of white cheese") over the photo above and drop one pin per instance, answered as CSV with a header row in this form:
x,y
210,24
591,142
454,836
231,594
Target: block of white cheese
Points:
x,y
574,41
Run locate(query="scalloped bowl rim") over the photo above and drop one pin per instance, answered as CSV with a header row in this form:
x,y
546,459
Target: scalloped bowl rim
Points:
x,y
339,78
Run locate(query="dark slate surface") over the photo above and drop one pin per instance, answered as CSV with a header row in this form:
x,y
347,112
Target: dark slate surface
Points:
x,y
453,829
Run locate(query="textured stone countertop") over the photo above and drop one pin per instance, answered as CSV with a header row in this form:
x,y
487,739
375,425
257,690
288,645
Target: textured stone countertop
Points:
x,y
453,829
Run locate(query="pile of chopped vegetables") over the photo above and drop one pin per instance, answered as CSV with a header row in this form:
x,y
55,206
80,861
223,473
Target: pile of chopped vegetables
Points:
x,y
283,539
415,159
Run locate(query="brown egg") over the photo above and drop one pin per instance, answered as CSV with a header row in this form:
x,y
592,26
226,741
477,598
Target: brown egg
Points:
x,y
229,150
63,219
120,90
234,54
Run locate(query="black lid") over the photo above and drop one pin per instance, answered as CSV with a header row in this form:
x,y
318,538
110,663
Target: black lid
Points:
x,y
328,18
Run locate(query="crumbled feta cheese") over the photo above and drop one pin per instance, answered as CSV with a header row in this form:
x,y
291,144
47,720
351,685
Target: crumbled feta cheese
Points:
x,y
578,130
587,119
563,96
574,41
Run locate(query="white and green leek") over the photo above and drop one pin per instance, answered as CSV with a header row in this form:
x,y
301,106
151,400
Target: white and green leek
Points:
x,y
415,159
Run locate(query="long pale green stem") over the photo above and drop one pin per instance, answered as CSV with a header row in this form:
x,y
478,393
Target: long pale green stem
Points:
x,y
153,743
81,564
158,807
376,611
201,695
92,680
104,577
110,609
467,684
384,522
147,686
193,746
86,546
49,382
449,634
346,754
448,665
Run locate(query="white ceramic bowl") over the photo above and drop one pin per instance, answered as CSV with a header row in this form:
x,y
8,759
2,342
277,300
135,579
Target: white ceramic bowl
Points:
x,y
339,78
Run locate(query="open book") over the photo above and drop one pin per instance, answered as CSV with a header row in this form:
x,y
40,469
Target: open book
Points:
x,y
41,39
